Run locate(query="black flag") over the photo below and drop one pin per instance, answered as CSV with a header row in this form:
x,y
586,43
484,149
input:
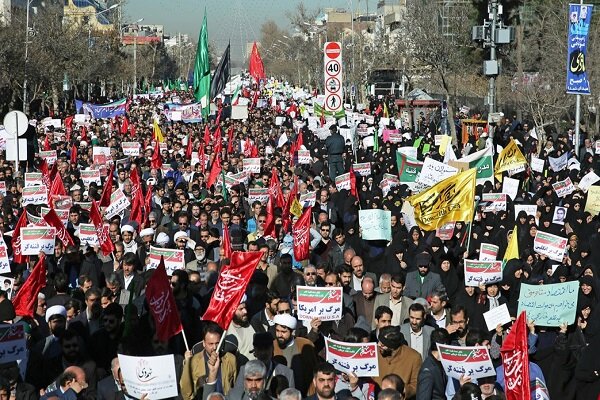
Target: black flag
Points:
x,y
221,75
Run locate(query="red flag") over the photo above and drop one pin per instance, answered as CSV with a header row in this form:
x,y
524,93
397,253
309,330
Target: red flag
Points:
x,y
218,121
73,154
275,189
202,158
292,109
148,201
269,228
378,110
230,140
45,174
132,130
124,126
254,151
58,187
353,190
162,304
515,360
106,245
189,148
16,240
137,198
215,171
323,116
25,301
206,138
107,191
83,133
69,126
47,144
301,235
256,68
226,242
218,141
53,220
156,161
231,286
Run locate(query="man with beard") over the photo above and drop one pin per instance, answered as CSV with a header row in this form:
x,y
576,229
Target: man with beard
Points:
x,y
283,280
415,331
358,273
88,321
262,321
423,282
104,343
196,367
128,278
324,382
395,356
264,265
310,275
253,387
147,236
242,330
458,328
299,353
364,300
263,351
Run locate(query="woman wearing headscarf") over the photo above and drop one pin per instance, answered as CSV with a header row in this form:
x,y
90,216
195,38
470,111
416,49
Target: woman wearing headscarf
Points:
x,y
416,245
449,276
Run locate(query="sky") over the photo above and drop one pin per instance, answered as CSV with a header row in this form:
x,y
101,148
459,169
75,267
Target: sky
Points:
x,y
238,20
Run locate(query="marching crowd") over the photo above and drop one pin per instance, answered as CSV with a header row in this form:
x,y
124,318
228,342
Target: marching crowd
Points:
x,y
408,295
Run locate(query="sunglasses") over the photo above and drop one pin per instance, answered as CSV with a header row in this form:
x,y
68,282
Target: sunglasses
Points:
x,y
288,311
310,273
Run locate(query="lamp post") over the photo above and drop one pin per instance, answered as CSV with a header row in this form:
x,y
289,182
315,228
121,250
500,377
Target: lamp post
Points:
x,y
135,30
25,103
90,38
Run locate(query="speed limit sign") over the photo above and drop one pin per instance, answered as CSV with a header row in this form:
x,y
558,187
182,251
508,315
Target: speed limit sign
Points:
x,y
332,65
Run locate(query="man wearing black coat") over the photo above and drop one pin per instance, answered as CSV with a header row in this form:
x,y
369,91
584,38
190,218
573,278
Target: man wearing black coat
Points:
x,y
432,381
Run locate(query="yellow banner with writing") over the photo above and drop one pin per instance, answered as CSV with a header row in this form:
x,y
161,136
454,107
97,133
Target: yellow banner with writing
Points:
x,y
510,158
452,199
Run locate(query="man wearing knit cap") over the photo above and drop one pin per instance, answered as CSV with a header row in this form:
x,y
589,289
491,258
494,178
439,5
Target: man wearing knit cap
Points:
x,y
422,282
299,352
395,356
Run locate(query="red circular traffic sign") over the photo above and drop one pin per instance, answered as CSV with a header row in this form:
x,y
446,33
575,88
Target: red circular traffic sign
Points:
x,y
333,68
332,50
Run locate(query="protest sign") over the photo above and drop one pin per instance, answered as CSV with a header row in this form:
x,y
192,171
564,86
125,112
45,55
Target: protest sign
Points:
x,y
558,163
118,203
3,188
33,179
488,252
408,169
482,272
433,172
362,169
34,240
4,263
549,305
343,181
85,205
258,194
530,209
537,164
151,376
550,245
482,160
592,204
388,184
474,362
173,259
588,180
408,151
446,231
308,199
497,315
13,342
49,156
34,195
131,149
304,157
510,187
35,220
563,188
494,201
101,155
324,303
252,165
375,224
358,358
63,215
88,235
89,176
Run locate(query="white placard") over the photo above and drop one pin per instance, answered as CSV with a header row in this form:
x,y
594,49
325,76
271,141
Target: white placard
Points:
x,y
588,180
131,149
324,303
537,164
497,315
550,245
358,358
510,186
252,165
152,376
36,239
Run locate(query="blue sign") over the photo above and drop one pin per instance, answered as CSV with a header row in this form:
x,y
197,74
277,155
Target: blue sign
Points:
x,y
580,16
97,111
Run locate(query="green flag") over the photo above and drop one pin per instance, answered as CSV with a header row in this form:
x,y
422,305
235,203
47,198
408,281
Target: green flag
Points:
x,y
376,141
224,185
202,70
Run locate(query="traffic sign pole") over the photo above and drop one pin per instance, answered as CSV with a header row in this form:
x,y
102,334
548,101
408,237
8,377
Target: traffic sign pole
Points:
x,y
332,66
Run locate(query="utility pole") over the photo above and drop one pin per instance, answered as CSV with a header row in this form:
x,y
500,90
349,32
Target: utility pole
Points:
x,y
25,103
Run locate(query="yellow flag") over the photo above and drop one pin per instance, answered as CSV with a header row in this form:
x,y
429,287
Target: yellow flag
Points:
x,y
509,158
512,250
452,199
296,208
386,113
158,133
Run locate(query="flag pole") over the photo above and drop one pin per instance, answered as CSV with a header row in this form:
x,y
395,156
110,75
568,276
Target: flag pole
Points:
x,y
471,224
187,347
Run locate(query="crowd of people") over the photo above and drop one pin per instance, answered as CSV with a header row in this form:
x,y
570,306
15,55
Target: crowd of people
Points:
x,y
408,295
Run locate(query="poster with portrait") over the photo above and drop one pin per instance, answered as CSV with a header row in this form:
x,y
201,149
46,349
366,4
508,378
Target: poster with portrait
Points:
x,y
560,213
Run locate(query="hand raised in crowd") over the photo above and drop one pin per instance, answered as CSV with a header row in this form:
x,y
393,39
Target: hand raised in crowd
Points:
x,y
315,323
214,362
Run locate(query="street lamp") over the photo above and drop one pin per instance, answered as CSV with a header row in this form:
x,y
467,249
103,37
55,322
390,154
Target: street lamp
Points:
x,y
90,37
25,104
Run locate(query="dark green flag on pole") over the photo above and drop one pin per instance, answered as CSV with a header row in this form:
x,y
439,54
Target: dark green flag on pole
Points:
x,y
202,70
221,75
